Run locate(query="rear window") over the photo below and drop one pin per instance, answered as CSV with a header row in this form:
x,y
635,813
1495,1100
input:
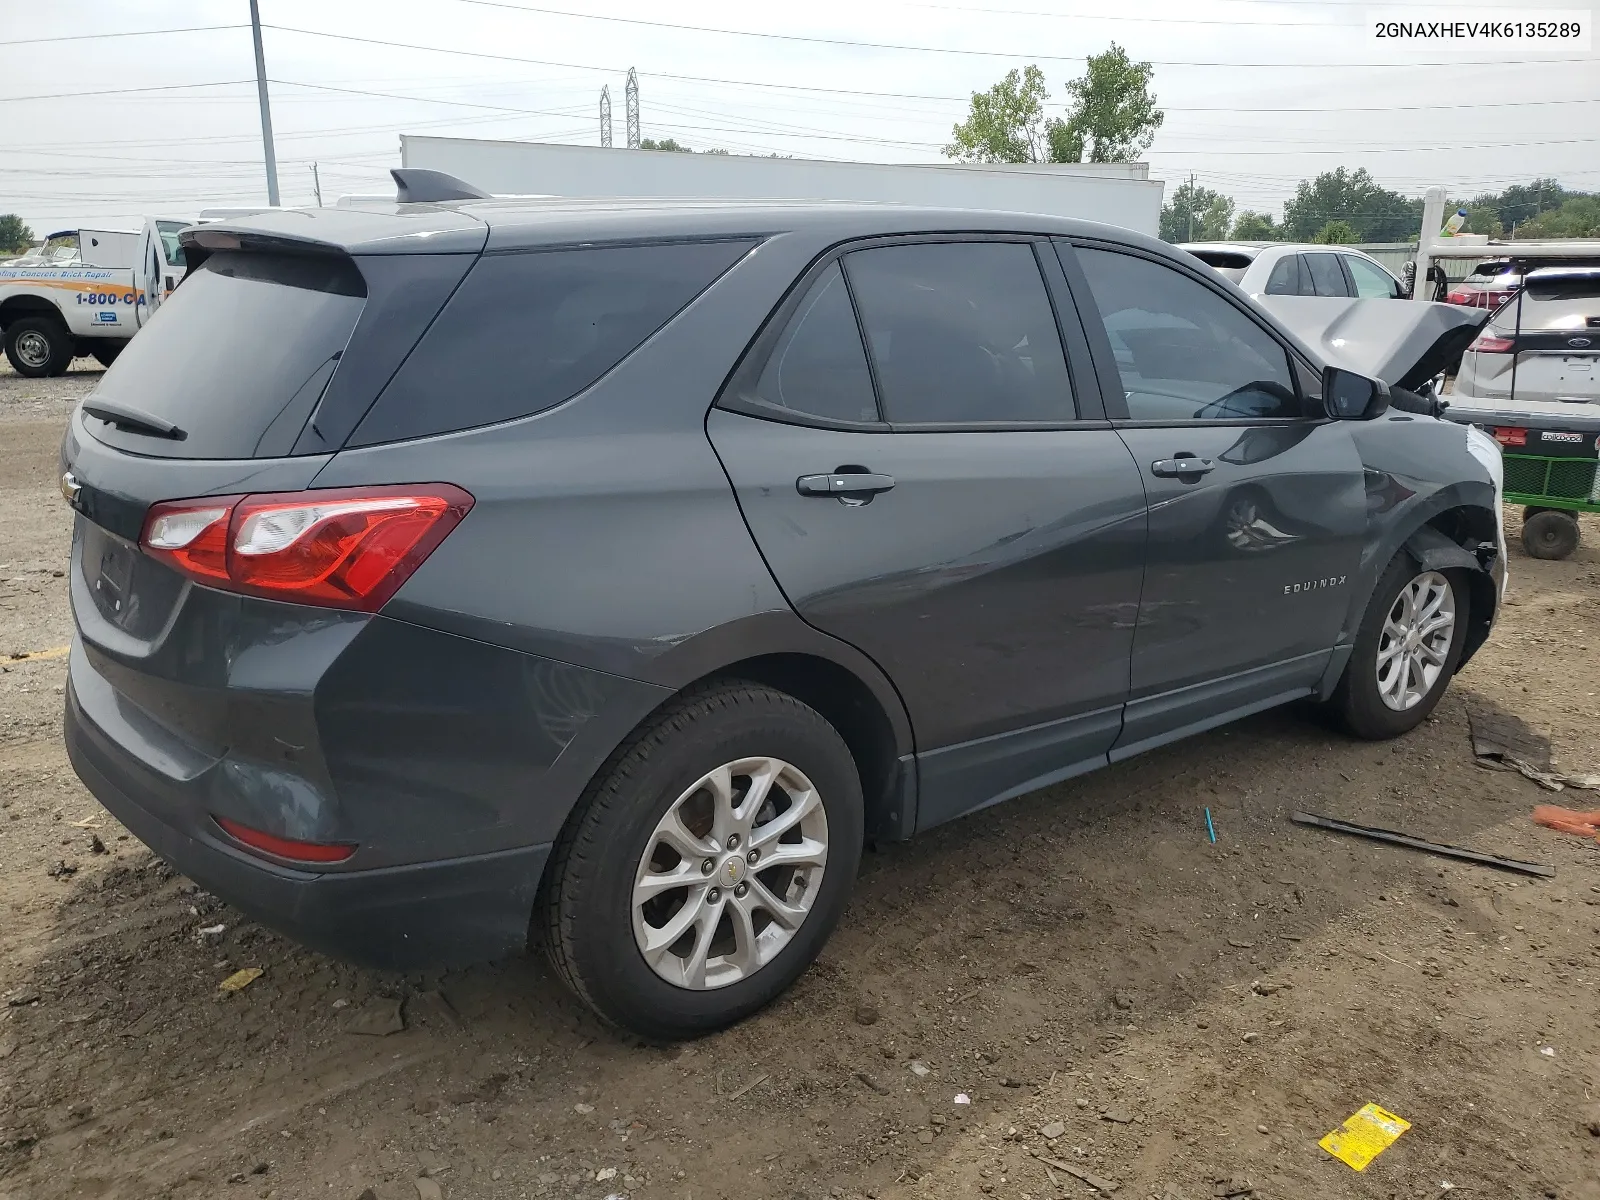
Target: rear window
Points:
x,y
1231,260
530,329
248,342
1571,287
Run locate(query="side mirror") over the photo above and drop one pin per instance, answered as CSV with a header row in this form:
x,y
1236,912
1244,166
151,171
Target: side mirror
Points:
x,y
1347,396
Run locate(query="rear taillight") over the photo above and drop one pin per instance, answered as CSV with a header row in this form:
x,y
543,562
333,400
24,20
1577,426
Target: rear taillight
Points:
x,y
1492,343
1460,297
339,548
1510,435
295,851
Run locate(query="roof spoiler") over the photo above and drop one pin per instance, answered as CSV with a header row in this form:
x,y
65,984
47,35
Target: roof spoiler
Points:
x,y
414,185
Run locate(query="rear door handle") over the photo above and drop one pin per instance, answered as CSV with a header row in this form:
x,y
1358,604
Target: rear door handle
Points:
x,y
1179,468
844,484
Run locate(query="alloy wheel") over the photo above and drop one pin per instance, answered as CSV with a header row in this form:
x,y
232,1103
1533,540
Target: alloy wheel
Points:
x,y
1415,641
730,873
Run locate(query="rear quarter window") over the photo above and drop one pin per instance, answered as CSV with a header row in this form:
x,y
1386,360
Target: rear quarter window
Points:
x,y
529,329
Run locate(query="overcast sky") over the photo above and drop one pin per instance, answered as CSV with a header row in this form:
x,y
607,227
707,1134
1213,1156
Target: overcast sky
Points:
x,y
1225,72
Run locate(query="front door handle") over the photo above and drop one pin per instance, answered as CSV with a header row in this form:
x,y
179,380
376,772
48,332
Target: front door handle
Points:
x,y
1182,468
844,483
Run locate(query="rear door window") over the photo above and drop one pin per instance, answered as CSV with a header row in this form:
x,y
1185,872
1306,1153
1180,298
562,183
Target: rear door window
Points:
x,y
1326,277
248,337
529,329
961,333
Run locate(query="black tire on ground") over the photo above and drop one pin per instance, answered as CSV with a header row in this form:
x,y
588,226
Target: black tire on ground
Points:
x,y
38,347
1356,702
105,351
1532,510
586,914
1550,533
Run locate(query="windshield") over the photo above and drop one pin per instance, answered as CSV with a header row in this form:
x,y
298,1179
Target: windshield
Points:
x,y
60,247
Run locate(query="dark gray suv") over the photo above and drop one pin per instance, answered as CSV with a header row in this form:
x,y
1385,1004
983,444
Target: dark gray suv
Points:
x,y
614,571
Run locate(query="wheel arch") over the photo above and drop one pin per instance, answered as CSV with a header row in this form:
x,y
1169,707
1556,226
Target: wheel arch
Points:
x,y
849,689
15,308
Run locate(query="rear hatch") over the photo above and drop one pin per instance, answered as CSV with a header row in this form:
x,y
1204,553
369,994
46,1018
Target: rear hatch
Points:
x,y
1554,330
244,382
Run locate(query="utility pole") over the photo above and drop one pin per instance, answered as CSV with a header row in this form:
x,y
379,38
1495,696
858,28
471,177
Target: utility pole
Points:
x,y
266,107
316,184
1190,238
631,97
605,116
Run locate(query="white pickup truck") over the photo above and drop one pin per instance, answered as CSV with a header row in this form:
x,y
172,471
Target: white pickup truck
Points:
x,y
52,311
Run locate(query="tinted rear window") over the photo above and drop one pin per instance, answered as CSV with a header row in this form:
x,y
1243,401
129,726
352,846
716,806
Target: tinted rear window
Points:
x,y
1231,260
1571,287
528,330
248,340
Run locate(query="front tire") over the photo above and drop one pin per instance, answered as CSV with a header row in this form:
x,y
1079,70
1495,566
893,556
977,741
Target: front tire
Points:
x,y
38,347
1406,650
707,864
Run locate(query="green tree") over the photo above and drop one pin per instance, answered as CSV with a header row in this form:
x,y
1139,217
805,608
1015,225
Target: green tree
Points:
x,y
1006,124
664,144
1375,213
1256,227
14,235
1578,217
1112,112
1111,116
1336,233
1196,214
1525,201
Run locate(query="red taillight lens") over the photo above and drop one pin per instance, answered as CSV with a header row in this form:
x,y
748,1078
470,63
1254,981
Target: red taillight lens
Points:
x,y
1508,435
311,852
1459,297
339,548
1492,343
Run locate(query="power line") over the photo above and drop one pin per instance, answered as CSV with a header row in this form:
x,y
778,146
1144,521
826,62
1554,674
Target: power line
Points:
x,y
164,87
835,91
94,37
535,112
1013,54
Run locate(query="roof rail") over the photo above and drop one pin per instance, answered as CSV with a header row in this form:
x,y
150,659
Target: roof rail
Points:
x,y
414,185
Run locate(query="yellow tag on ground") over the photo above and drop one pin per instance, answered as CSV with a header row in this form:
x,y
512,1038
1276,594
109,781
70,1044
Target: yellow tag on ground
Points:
x,y
1365,1135
240,979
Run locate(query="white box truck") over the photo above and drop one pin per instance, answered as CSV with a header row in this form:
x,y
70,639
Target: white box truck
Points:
x,y
1115,193
55,309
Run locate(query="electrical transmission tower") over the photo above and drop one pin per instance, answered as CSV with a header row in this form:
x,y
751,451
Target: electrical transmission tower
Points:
x,y
632,97
605,117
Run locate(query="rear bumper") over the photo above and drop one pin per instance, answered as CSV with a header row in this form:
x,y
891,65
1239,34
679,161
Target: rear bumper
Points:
x,y
448,912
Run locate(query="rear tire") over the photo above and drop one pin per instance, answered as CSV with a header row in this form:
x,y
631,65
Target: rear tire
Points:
x,y
1550,533
38,347
1393,681
604,907
105,352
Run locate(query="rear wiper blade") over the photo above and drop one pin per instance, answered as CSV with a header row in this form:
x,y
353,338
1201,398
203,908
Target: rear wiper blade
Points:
x,y
133,420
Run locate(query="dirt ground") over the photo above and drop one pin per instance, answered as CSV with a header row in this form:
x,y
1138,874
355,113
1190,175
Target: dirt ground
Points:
x,y
1110,990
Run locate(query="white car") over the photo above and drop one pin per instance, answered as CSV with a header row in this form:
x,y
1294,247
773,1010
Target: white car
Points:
x,y
1288,269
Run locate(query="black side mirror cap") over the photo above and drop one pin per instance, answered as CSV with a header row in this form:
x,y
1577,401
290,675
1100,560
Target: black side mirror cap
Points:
x,y
1347,396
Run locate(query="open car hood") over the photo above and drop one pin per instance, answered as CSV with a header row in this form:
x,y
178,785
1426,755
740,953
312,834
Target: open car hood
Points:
x,y
1405,343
